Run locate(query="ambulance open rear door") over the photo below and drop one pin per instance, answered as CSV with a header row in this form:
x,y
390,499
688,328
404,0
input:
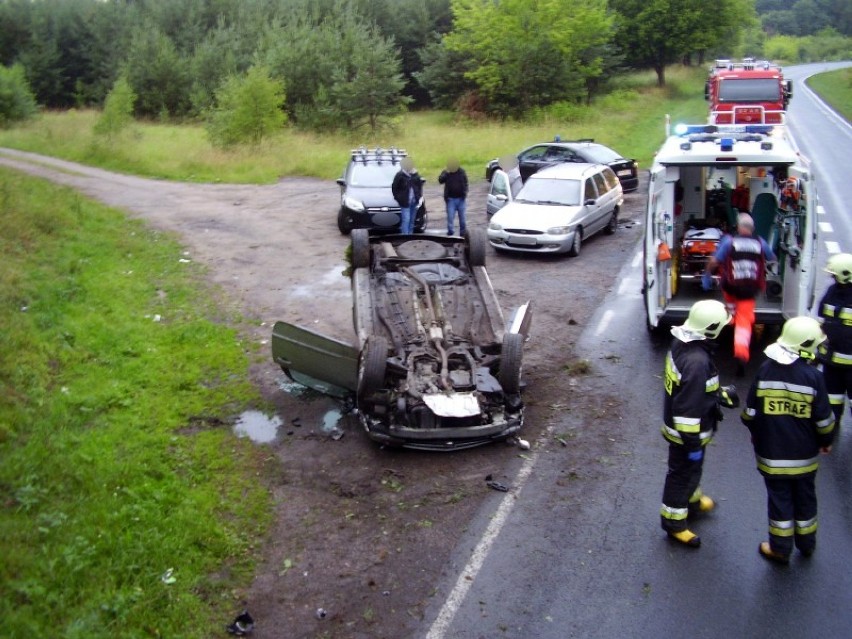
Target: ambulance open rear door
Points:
x,y
659,237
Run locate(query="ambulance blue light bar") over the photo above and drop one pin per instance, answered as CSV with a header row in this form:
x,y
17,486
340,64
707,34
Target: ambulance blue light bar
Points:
x,y
698,129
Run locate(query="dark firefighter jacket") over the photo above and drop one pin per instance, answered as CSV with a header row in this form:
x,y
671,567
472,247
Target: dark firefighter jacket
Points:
x,y
835,309
789,416
691,405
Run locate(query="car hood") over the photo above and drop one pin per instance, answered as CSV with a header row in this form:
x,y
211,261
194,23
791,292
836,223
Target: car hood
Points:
x,y
373,196
535,217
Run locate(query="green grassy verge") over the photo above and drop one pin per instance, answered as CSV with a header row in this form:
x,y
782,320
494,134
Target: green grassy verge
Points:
x,y
115,374
631,120
835,87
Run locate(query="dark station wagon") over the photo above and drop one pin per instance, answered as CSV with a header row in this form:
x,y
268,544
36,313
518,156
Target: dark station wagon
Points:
x,y
539,156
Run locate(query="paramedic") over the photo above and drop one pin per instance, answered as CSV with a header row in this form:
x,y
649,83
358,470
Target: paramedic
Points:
x,y
690,416
835,313
789,417
741,260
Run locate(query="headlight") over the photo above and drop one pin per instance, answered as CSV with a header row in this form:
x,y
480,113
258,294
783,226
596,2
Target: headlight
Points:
x,y
352,204
493,226
559,230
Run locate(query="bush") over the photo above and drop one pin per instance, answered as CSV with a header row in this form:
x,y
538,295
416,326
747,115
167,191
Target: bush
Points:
x,y
17,102
118,109
248,109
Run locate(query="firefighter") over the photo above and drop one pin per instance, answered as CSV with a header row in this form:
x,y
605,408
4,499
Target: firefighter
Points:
x,y
835,312
690,416
742,260
791,423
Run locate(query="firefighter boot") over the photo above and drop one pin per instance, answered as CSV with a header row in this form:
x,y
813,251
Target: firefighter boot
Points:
x,y
766,552
685,537
702,506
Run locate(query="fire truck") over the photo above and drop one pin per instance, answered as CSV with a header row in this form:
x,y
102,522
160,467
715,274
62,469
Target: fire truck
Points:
x,y
747,92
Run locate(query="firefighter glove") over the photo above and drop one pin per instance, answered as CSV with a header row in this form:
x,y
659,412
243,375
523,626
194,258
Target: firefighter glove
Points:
x,y
695,455
728,396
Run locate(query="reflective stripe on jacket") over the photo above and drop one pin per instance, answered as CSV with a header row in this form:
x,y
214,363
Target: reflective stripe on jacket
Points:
x,y
690,404
789,416
835,310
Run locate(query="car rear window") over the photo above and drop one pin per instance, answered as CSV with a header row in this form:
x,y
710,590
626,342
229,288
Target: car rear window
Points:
x,y
610,178
601,154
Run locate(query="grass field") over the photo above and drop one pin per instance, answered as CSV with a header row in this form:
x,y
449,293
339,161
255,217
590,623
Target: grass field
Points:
x,y
631,120
836,89
116,373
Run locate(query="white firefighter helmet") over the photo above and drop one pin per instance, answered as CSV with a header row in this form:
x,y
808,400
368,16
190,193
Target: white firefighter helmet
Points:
x,y
708,318
840,265
802,335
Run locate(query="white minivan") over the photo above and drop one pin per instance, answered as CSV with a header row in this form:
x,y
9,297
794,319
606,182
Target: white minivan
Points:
x,y
701,179
557,208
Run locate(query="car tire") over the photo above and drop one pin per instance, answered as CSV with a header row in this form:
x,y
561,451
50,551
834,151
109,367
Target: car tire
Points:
x,y
612,226
360,248
475,244
344,222
511,358
577,243
374,363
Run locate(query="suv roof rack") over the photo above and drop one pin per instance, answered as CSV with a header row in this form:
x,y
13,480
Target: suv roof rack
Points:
x,y
392,154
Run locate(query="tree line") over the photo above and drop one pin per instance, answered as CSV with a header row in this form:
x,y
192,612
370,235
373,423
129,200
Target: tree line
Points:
x,y
332,64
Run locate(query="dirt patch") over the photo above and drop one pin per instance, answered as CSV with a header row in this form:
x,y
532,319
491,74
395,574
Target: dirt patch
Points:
x,y
362,533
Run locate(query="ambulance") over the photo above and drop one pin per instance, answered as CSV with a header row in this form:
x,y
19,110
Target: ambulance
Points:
x,y
701,179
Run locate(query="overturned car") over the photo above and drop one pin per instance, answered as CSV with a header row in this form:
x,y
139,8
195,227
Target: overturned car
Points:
x,y
435,366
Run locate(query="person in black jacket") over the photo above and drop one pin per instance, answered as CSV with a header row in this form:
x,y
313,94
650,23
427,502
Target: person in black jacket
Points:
x,y
791,423
454,180
690,416
407,189
835,313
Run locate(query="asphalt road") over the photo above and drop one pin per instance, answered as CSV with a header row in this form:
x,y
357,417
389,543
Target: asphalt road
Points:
x,y
549,562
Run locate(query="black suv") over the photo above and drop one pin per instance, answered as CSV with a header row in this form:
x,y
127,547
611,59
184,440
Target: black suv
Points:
x,y
366,201
539,156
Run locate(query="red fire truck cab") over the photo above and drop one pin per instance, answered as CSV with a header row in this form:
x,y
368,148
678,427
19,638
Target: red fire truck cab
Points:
x,y
747,92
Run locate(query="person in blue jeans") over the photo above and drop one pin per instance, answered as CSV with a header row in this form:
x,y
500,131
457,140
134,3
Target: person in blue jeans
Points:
x,y
407,189
454,180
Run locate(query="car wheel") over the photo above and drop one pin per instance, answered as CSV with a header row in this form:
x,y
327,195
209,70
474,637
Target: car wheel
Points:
x,y
374,363
475,247
511,357
612,225
360,248
577,244
344,222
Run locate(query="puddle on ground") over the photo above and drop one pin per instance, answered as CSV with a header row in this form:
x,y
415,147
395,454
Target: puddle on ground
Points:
x,y
257,426
330,424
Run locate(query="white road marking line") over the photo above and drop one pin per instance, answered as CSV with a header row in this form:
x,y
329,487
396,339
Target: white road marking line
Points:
x,y
604,323
820,209
826,227
637,259
468,574
832,248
